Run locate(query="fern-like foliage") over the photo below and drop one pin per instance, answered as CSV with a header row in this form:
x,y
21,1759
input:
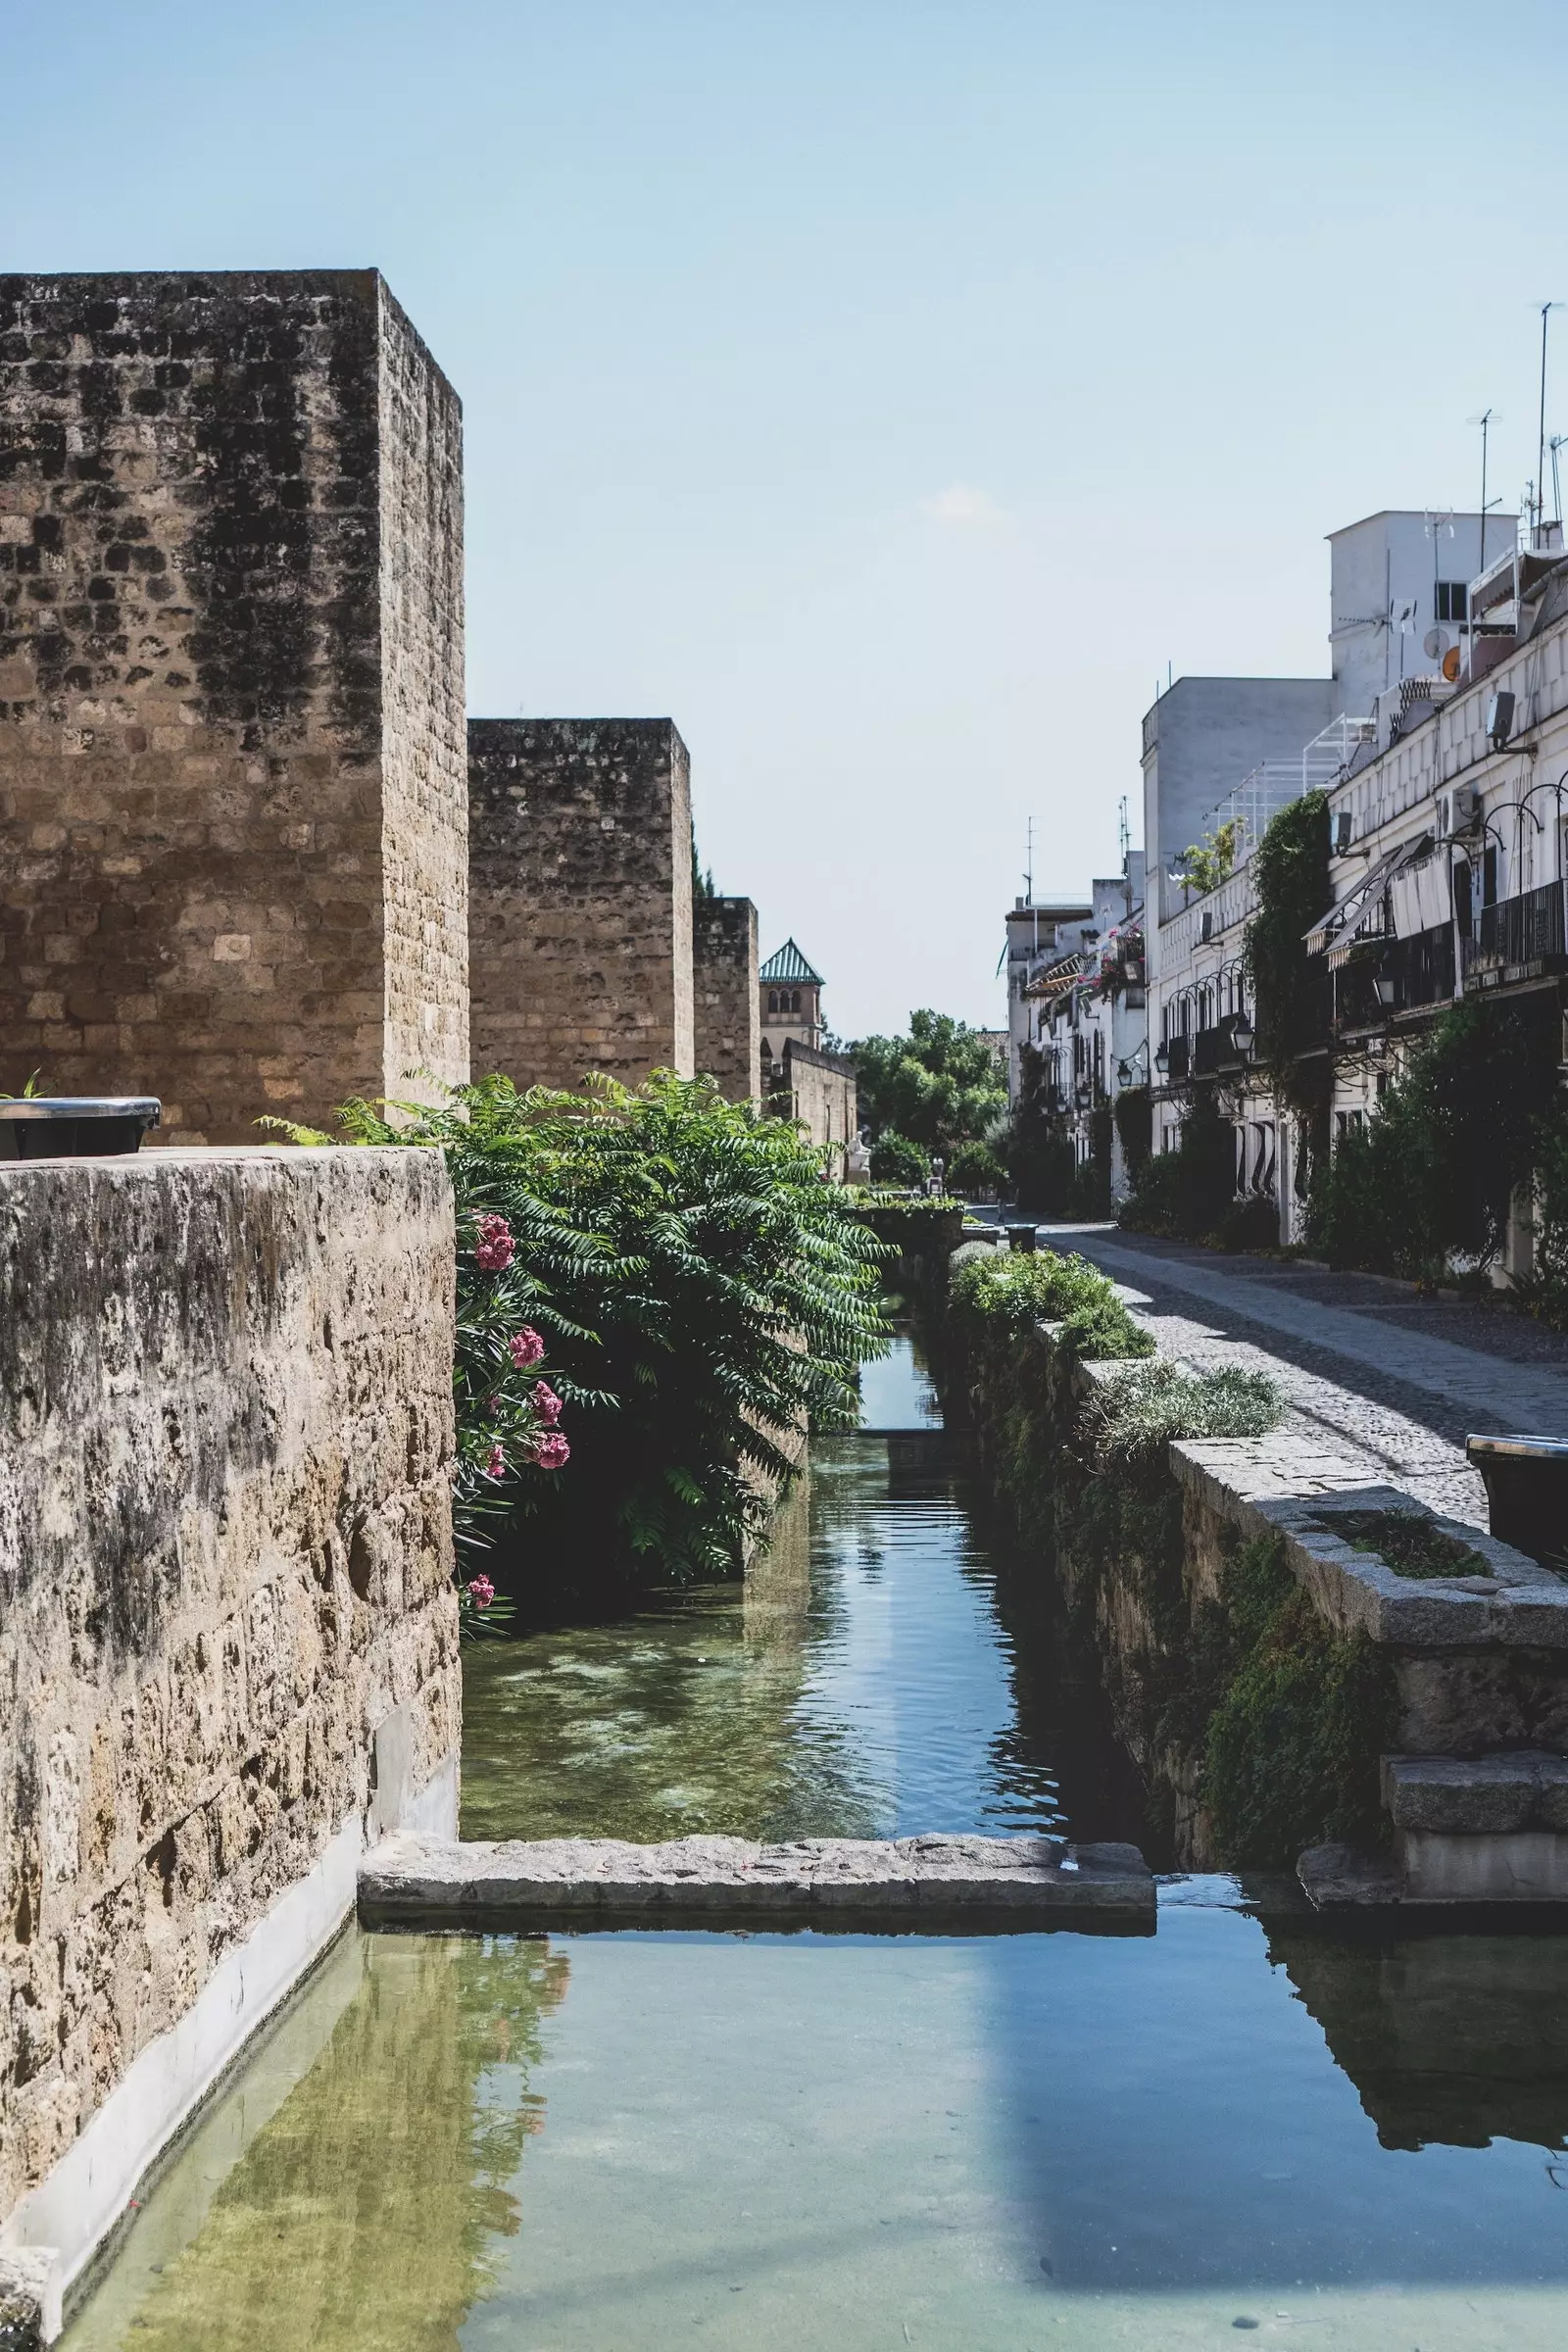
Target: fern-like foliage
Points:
x,y
705,1295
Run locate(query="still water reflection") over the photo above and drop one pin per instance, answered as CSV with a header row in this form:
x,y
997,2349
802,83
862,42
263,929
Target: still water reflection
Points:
x,y
977,2144
864,1684
649,2141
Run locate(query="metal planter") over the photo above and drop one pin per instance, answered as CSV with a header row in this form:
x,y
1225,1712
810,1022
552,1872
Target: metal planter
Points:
x,y
1527,1492
75,1126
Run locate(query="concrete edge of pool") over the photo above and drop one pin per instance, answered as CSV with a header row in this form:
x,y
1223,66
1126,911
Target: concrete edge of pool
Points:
x,y
696,1882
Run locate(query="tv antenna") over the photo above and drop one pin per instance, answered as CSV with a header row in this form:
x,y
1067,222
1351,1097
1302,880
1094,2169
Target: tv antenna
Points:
x,y
1029,865
1547,310
1554,443
1486,419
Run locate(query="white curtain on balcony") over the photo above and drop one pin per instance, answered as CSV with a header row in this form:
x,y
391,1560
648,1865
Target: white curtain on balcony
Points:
x,y
1423,896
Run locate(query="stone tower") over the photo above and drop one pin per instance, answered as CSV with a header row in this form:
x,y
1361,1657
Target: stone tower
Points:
x,y
233,856
581,890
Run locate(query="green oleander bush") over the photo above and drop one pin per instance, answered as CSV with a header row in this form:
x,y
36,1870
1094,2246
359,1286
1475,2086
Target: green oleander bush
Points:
x,y
704,1296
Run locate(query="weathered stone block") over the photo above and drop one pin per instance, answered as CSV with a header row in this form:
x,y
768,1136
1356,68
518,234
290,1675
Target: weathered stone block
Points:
x,y
537,1882
232,799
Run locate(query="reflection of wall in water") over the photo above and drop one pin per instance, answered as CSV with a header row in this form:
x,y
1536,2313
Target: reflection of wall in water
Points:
x,y
368,2209
777,1591
1458,2039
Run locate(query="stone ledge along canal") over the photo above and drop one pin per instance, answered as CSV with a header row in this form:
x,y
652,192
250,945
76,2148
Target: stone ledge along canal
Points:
x,y
1249,2122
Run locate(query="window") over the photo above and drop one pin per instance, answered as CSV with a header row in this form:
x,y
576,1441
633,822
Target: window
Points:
x,y
795,1001
1454,601
772,1000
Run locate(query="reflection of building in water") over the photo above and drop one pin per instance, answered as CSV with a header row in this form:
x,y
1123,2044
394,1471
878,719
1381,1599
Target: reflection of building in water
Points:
x,y
370,2208
1458,2040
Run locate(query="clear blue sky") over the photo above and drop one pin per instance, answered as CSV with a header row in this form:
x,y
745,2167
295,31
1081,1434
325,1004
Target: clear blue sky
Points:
x,y
885,389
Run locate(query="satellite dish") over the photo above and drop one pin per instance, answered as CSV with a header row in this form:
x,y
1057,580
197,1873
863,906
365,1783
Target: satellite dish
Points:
x,y
1434,644
1450,663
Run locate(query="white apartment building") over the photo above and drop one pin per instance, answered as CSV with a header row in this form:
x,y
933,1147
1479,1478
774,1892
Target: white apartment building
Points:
x,y
1038,937
1233,751
1450,838
1089,1022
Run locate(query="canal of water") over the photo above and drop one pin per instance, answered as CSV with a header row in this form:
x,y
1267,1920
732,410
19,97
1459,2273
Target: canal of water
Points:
x,y
1247,2121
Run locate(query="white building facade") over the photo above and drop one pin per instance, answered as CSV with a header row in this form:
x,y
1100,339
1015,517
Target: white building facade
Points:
x,y
1222,756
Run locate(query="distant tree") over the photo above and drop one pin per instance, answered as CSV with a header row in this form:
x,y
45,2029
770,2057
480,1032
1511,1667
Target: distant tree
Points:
x,y
941,1086
895,1160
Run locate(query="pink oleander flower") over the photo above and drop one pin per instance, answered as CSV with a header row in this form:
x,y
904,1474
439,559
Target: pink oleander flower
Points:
x,y
496,1467
481,1591
551,1450
525,1348
546,1403
495,1248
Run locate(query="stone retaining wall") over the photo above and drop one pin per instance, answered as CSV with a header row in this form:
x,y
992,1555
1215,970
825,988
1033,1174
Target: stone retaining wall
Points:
x,y
229,1642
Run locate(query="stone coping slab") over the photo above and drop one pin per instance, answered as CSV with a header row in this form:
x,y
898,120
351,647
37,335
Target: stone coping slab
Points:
x,y
1258,1483
901,1883
1519,1789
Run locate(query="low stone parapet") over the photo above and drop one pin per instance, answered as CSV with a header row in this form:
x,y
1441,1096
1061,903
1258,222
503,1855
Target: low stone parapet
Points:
x,y
716,1882
229,1637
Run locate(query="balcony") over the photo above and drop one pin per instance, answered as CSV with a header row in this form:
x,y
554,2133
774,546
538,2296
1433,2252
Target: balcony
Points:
x,y
1518,932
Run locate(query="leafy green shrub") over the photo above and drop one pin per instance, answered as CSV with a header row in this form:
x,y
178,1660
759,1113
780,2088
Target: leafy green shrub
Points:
x,y
704,1292
1134,1111
974,1172
1011,1293
896,1160
1292,1752
1252,1224
1136,1417
1187,1191
1432,1174
1039,1151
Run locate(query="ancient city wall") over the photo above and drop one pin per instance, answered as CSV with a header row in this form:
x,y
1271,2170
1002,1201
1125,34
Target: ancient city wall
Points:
x,y
820,1091
728,1028
580,899
226,1609
233,802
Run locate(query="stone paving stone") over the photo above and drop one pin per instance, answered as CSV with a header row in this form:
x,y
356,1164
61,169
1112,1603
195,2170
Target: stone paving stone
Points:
x,y
701,1880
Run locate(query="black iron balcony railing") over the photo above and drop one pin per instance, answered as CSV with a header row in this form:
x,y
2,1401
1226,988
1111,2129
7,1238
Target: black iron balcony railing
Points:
x,y
1356,1003
1527,929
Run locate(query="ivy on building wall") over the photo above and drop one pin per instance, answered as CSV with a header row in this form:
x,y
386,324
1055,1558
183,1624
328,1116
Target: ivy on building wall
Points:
x,y
1289,987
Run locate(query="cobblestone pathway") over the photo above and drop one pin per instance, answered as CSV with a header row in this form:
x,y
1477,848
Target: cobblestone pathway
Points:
x,y
1398,1380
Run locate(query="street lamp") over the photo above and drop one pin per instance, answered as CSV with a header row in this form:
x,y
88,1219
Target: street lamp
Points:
x,y
1388,989
1162,1060
1242,1034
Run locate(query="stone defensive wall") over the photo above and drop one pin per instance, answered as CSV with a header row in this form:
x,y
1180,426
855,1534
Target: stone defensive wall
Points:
x,y
229,1632
233,866
820,1090
580,899
725,1000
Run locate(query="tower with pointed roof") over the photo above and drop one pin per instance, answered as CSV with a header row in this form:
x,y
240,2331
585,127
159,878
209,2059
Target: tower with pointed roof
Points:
x,y
790,1004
